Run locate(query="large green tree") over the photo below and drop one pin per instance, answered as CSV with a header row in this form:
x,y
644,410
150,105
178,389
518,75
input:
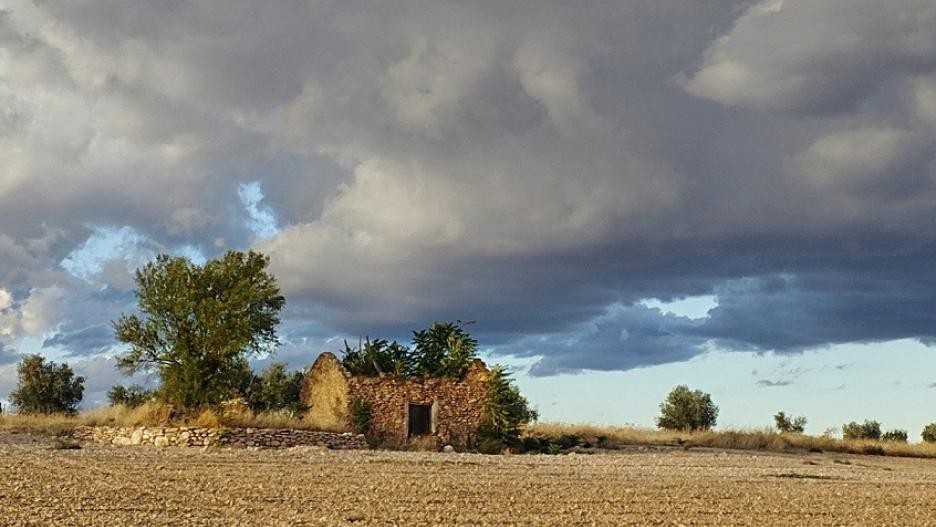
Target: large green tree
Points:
x,y
46,387
198,324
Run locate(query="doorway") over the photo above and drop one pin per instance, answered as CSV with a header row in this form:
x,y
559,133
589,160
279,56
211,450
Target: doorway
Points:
x,y
419,420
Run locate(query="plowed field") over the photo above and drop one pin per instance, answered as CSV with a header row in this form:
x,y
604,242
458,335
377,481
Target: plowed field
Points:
x,y
99,485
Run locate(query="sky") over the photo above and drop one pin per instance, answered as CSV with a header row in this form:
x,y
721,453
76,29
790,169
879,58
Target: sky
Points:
x,y
624,195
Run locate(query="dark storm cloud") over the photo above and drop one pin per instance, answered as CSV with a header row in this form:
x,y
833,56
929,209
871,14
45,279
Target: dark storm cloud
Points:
x,y
539,168
7,355
84,341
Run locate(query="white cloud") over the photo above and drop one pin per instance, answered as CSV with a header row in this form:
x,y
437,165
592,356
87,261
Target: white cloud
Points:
x,y
40,310
6,299
861,159
816,55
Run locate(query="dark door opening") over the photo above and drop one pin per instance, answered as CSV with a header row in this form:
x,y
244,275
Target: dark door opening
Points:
x,y
420,419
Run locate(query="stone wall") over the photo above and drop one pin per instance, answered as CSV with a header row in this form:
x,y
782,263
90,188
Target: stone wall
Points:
x,y
222,437
456,403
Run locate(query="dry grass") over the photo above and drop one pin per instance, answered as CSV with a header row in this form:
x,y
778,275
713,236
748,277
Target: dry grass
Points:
x,y
56,424
157,414
753,439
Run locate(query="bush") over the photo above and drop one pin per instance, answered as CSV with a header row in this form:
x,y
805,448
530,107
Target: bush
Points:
x,y
274,390
684,409
360,415
929,433
46,387
441,350
131,397
896,435
504,413
786,424
867,430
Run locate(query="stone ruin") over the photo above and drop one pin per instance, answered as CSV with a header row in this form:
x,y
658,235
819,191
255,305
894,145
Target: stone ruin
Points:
x,y
445,410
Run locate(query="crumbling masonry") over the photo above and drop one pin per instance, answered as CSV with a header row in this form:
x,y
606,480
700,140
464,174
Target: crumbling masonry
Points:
x,y
401,408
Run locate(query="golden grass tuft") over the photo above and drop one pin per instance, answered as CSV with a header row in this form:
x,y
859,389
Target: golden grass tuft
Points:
x,y
55,424
153,413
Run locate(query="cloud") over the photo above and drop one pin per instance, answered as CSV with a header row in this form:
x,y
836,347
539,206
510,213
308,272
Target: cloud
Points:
x,y
85,341
545,170
768,383
816,56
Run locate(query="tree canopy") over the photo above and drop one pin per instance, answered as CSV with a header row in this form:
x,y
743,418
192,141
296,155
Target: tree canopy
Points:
x,y
198,324
685,409
46,387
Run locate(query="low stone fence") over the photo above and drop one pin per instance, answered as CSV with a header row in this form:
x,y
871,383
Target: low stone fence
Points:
x,y
221,437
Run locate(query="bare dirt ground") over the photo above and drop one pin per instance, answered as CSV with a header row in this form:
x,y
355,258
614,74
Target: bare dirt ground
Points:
x,y
99,485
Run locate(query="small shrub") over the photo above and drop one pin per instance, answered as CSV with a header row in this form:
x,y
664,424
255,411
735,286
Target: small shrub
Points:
x,y
872,450
867,430
360,415
787,424
46,387
685,409
929,433
534,444
567,441
274,390
896,435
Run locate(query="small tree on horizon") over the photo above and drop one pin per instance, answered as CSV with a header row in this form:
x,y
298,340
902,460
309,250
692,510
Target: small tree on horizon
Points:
x,y
896,435
868,430
787,424
685,409
929,433
198,324
46,387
